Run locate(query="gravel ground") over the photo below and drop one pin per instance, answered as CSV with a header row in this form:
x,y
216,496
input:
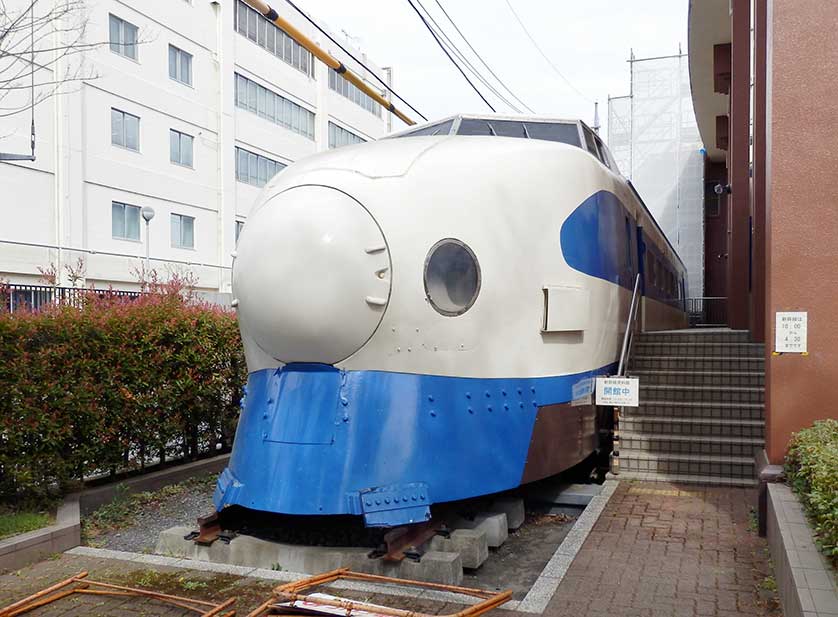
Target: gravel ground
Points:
x,y
140,536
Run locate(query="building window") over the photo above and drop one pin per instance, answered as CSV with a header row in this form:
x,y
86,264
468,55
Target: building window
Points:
x,y
180,148
353,93
251,24
273,107
125,130
183,231
339,136
123,37
239,225
125,221
180,65
255,169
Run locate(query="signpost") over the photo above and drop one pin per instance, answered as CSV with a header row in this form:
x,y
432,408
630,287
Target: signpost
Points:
x,y
790,332
617,391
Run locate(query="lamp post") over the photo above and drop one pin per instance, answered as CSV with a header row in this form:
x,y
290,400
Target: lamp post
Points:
x,y
147,213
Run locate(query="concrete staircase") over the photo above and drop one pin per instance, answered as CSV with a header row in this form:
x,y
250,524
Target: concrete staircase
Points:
x,y
701,414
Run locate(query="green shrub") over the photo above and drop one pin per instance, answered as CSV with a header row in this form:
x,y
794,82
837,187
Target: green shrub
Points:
x,y
812,469
111,384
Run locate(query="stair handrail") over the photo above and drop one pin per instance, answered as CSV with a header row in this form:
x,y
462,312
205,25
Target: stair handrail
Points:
x,y
629,333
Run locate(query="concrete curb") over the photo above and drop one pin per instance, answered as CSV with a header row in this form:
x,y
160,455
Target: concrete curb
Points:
x,y
551,576
65,533
805,581
21,550
535,601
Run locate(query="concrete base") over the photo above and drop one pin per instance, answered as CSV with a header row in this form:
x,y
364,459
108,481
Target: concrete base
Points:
x,y
470,544
493,525
513,508
564,494
435,567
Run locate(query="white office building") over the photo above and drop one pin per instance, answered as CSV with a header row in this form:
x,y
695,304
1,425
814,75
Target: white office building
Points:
x,y
192,106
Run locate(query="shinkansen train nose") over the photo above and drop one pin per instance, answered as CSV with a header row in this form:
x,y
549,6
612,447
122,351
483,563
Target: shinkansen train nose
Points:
x,y
311,278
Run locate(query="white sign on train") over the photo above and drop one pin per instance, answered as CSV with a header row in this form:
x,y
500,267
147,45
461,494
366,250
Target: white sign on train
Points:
x,y
618,391
790,333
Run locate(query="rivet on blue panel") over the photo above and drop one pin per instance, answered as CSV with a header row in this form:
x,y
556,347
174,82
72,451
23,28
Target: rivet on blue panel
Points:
x,y
470,410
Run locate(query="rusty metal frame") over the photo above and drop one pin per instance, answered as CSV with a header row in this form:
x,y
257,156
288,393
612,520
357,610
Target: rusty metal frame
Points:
x,y
290,593
81,584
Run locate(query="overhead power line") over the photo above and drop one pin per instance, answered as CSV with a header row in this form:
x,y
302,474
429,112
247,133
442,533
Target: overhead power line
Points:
x,y
543,55
349,53
459,55
479,57
445,50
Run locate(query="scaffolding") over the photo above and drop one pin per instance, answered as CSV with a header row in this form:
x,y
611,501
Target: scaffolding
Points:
x,y
654,137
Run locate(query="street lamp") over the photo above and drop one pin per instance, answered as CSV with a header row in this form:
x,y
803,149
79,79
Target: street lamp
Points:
x,y
147,213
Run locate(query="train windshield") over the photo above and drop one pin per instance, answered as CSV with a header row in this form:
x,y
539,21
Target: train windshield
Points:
x,y
562,132
440,128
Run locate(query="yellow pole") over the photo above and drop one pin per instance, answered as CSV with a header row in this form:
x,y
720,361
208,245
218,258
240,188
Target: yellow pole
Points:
x,y
326,58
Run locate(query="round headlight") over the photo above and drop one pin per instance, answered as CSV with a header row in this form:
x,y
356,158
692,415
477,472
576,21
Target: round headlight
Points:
x,y
452,277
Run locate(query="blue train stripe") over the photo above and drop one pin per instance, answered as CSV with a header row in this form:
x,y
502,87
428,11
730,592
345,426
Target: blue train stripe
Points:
x,y
313,439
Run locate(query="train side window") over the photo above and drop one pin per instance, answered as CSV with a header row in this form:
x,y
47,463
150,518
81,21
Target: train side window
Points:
x,y
629,265
590,141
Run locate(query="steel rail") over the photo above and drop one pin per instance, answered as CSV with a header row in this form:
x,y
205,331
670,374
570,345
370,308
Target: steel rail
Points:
x,y
326,58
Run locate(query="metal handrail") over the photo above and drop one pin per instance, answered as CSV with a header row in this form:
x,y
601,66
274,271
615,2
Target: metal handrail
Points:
x,y
629,333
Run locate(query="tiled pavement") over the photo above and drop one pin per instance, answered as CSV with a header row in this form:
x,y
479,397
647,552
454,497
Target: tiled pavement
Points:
x,y
661,550
657,550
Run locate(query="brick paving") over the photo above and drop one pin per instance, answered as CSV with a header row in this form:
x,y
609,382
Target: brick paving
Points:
x,y
664,550
657,550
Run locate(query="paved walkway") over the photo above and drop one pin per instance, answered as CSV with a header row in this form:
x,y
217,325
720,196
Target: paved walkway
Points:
x,y
662,550
657,550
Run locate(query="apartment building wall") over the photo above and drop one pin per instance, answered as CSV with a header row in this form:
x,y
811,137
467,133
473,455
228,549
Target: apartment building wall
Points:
x,y
59,208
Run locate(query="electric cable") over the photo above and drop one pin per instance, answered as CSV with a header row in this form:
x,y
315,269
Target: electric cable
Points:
x,y
543,55
445,51
459,55
349,53
479,57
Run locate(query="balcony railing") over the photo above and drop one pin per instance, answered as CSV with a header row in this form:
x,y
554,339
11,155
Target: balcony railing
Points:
x,y
707,312
35,297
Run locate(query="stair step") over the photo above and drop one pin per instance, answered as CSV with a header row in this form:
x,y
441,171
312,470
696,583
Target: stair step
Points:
x,y
686,479
701,378
717,410
704,394
688,464
690,444
697,363
654,348
704,336
692,426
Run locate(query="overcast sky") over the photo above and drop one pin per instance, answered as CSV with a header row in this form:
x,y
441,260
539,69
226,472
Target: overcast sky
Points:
x,y
589,42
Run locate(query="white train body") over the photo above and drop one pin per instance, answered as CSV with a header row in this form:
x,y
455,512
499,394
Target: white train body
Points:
x,y
332,289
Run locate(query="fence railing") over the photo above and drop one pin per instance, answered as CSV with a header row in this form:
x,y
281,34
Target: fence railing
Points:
x,y
35,297
707,311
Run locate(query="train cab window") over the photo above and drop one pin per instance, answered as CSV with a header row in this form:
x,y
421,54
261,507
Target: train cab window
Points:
x,y
562,132
440,128
452,277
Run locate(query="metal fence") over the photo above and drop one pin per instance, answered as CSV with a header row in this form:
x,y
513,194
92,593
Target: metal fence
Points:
x,y
706,312
35,297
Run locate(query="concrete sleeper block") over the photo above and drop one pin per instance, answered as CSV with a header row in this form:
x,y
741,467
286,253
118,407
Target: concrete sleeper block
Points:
x,y
494,525
514,510
471,545
434,567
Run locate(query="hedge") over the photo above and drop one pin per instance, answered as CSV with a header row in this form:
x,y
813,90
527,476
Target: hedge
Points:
x,y
812,470
111,385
